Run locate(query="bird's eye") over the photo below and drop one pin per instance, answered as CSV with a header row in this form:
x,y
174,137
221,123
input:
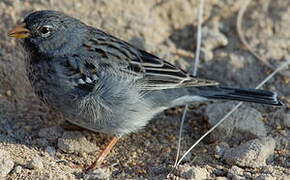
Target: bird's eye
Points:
x,y
45,30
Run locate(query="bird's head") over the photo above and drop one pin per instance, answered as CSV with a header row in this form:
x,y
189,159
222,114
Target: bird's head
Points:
x,y
50,32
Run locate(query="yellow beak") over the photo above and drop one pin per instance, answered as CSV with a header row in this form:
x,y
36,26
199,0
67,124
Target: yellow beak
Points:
x,y
19,32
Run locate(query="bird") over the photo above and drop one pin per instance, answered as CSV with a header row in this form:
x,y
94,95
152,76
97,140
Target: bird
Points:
x,y
105,84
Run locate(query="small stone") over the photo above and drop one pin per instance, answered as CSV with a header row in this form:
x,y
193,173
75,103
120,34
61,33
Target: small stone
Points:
x,y
9,93
97,174
248,175
235,173
52,164
193,172
18,169
51,133
246,123
35,163
75,141
50,150
221,148
221,178
212,39
254,153
250,123
6,164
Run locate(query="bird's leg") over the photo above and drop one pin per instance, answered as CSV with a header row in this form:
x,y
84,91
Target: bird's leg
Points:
x,y
99,160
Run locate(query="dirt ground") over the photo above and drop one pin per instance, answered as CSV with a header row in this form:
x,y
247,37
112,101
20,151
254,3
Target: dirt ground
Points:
x,y
36,146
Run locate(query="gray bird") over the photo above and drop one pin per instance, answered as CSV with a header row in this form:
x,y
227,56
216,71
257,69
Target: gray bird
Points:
x,y
106,85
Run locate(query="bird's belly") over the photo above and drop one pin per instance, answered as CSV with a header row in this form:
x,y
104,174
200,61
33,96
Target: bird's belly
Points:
x,y
113,119
111,111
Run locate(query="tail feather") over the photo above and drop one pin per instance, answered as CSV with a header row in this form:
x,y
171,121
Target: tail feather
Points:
x,y
247,95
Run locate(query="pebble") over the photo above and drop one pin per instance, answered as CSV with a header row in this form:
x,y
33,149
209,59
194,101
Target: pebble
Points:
x,y
6,164
212,39
221,148
221,178
235,173
245,123
18,169
50,150
35,163
253,153
193,172
97,174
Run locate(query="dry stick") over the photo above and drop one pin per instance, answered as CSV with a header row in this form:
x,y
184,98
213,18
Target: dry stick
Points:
x,y
243,39
235,108
199,37
194,72
180,137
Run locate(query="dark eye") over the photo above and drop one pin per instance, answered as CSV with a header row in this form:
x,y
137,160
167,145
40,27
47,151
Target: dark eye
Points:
x,y
45,30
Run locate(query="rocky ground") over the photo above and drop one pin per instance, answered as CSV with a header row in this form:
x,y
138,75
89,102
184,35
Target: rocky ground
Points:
x,y
252,144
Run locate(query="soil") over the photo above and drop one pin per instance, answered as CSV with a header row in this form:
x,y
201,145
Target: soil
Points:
x,y
167,29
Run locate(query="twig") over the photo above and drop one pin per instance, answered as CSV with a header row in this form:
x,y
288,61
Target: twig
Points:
x,y
199,37
180,137
194,72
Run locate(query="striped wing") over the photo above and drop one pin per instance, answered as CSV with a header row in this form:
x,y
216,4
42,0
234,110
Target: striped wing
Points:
x,y
160,74
157,73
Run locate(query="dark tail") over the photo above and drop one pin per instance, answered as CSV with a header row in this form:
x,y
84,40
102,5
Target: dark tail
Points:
x,y
247,95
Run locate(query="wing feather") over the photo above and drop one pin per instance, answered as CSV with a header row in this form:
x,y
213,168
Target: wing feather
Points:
x,y
156,72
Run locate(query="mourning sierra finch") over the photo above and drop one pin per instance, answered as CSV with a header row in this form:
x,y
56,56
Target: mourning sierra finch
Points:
x,y
104,84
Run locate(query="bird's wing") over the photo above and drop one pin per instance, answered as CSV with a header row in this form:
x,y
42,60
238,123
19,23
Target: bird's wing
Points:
x,y
160,74
156,72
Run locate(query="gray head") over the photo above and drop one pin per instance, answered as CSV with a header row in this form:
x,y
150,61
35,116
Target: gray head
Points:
x,y
50,32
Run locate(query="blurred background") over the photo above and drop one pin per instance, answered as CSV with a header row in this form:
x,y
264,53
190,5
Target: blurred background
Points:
x,y
253,143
